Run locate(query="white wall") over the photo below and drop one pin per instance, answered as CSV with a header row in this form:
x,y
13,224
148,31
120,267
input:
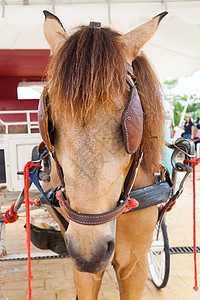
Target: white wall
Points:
x,y
18,148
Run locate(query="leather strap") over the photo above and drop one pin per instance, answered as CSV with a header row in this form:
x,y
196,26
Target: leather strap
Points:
x,y
91,219
130,71
132,173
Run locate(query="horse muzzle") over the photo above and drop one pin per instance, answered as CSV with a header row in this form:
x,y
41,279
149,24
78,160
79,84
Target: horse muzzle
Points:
x,y
90,256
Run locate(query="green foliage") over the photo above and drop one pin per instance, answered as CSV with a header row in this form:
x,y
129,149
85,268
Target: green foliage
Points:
x,y
171,83
179,103
194,110
178,109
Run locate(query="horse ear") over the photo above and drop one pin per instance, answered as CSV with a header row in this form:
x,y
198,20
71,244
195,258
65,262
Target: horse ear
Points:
x,y
136,38
54,31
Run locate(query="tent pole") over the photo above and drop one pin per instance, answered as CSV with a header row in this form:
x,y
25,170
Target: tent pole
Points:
x,y
109,13
3,8
185,109
53,6
164,2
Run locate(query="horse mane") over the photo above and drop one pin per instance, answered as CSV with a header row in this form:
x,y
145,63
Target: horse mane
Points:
x,y
89,67
150,92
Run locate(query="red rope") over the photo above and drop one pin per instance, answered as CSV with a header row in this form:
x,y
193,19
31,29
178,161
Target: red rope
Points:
x,y
12,213
194,231
28,166
195,162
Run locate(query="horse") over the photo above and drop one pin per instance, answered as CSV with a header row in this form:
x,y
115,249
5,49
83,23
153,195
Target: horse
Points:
x,y
87,95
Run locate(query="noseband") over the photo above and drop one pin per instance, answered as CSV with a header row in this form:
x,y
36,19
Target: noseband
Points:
x,y
132,127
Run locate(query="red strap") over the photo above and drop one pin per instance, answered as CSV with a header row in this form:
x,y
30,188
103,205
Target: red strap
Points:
x,y
59,198
28,166
161,206
171,206
132,203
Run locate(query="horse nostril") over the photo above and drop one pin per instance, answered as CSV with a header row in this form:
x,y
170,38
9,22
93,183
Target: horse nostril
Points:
x,y
109,251
99,254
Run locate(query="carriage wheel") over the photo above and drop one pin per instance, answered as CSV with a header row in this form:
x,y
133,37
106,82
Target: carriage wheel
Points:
x,y
159,257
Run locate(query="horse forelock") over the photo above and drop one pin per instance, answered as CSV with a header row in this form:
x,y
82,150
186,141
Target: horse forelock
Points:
x,y
89,68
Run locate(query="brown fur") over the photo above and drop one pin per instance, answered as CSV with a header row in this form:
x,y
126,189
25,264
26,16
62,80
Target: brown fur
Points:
x,y
150,92
88,68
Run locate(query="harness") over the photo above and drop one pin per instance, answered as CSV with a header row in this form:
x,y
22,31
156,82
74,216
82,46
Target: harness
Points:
x,y
132,127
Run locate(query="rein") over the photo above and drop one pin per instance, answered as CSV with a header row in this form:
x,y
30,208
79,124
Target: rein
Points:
x,y
132,126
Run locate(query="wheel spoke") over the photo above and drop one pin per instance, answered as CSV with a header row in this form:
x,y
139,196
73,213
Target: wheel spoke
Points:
x,y
157,270
157,259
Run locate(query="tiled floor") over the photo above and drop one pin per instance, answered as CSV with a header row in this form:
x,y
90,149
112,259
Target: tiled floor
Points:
x,y
52,278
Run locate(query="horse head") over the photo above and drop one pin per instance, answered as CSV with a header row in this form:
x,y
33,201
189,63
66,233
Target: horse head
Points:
x,y
88,94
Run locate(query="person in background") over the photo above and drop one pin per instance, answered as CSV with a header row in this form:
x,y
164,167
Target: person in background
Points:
x,y
188,127
196,139
196,121
197,128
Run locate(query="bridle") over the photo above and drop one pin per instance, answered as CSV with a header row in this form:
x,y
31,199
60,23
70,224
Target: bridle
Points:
x,y
132,127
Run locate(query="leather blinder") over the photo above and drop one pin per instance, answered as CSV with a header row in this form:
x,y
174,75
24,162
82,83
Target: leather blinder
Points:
x,y
132,122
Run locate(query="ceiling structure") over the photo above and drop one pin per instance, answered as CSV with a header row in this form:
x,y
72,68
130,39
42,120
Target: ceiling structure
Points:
x,y
174,50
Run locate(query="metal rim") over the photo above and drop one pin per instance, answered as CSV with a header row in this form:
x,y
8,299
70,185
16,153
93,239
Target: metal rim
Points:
x,y
159,257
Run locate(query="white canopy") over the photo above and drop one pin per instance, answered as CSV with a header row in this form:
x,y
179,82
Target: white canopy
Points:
x,y
174,50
